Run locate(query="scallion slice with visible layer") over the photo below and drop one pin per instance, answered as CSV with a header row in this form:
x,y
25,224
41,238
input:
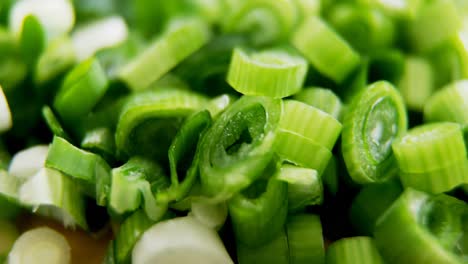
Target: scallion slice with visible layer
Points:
x,y
321,98
420,228
236,149
259,212
304,187
41,244
51,193
181,38
325,49
311,123
448,104
305,239
273,73
28,162
154,115
302,151
375,118
430,147
354,250
264,21
179,241
100,141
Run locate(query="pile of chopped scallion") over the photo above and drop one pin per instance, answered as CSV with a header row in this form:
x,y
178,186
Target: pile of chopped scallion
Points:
x,y
233,131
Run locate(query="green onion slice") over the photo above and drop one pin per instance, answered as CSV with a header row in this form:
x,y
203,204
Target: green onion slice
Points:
x,y
101,141
371,201
311,123
302,151
51,193
184,154
374,120
40,244
258,213
5,114
181,38
273,73
448,104
154,117
304,187
264,21
86,167
305,239
354,250
438,180
32,40
417,83
437,21
88,39
325,49
213,215
180,240
53,123
237,147
81,90
218,104
275,251
421,228
430,147
321,98
28,162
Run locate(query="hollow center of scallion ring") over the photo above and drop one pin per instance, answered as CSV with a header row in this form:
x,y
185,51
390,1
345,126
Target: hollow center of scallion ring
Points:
x,y
380,129
241,134
447,220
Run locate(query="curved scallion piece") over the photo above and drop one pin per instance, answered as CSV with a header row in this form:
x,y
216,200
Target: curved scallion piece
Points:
x,y
51,193
302,151
259,212
180,240
184,155
127,181
430,147
273,73
86,167
275,251
304,187
53,123
181,38
375,118
448,104
149,121
40,244
218,104
354,250
32,40
100,141
371,201
436,22
265,22
305,239
321,98
28,162
5,114
420,228
365,28
81,90
311,123
325,49
236,149
417,82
